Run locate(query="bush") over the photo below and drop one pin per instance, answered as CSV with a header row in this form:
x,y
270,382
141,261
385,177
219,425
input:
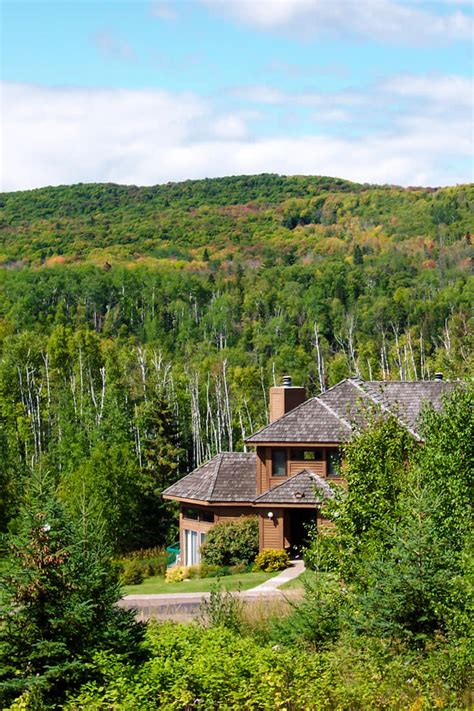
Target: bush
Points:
x,y
271,560
153,560
322,553
176,574
240,568
318,618
222,609
209,571
194,571
231,542
132,573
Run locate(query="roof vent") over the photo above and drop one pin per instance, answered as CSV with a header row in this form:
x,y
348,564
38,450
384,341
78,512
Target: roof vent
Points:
x,y
438,376
287,381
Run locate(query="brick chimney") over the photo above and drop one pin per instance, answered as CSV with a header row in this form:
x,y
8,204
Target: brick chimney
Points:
x,y
284,398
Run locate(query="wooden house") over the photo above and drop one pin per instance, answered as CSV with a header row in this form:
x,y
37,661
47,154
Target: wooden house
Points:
x,y
284,481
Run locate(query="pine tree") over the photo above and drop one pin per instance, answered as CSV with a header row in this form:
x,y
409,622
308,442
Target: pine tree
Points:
x,y
58,603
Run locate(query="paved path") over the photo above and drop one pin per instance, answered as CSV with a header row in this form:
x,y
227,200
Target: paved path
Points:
x,y
296,568
176,605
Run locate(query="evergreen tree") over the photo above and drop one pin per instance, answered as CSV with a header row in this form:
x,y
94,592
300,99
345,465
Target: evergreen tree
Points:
x,y
58,604
417,587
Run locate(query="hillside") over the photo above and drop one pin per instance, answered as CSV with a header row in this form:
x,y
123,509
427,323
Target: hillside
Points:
x,y
249,217
140,328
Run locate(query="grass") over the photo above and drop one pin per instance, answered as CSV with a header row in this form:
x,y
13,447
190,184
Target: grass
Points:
x,y
298,583
158,585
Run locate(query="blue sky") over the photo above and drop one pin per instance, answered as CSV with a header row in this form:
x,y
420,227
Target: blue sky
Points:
x,y
146,92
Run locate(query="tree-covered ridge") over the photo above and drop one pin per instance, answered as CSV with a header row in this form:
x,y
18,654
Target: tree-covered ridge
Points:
x,y
254,217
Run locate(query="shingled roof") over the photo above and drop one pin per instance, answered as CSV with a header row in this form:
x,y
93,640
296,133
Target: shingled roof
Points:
x,y
305,487
227,477
330,417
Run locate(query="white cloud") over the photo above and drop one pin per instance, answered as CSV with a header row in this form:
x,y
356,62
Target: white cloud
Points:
x,y
67,135
447,90
380,20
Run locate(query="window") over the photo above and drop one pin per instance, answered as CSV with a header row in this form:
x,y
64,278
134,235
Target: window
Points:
x,y
192,514
334,462
309,455
207,516
197,515
279,462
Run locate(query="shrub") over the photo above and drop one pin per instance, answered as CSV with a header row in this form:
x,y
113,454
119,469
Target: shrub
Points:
x,y
318,618
176,574
209,571
231,542
271,560
222,609
194,571
132,573
153,560
239,569
322,553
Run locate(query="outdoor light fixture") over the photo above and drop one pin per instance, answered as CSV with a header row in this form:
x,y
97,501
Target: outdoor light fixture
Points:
x,y
270,515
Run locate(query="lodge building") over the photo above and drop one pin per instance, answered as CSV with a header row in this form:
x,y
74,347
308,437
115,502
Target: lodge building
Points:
x,y
285,480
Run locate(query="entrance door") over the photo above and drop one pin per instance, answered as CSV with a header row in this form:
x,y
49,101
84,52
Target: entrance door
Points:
x,y
299,522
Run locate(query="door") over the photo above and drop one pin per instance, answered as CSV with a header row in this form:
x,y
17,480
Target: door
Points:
x,y
300,522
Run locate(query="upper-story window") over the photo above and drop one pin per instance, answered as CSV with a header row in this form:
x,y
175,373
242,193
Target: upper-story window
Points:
x,y
307,455
279,462
198,515
334,462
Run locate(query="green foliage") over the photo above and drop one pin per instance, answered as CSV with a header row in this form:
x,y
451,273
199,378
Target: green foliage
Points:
x,y
132,573
215,667
413,589
446,465
375,469
319,618
58,603
231,542
222,610
271,560
323,551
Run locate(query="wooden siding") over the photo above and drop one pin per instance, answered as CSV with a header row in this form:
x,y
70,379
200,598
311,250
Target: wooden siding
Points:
x,y
295,466
271,530
232,514
261,470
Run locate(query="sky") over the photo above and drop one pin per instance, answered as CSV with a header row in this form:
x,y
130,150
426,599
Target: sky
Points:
x,y
147,92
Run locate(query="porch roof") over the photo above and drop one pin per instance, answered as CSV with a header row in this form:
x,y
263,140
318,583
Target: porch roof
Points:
x,y
305,487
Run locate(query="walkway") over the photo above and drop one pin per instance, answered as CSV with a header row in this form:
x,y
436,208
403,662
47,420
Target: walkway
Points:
x,y
178,605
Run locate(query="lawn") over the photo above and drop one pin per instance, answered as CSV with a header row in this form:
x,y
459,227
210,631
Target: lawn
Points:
x,y
158,585
299,582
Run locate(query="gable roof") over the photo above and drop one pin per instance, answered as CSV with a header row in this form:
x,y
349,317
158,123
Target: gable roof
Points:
x,y
330,416
305,487
227,477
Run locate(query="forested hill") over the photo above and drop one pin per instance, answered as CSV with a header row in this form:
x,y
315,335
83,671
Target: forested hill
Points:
x,y
140,328
283,218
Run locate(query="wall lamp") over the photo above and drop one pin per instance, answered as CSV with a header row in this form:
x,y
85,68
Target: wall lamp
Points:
x,y
270,515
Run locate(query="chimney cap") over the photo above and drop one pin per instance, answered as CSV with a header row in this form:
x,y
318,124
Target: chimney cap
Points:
x,y
438,376
287,381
